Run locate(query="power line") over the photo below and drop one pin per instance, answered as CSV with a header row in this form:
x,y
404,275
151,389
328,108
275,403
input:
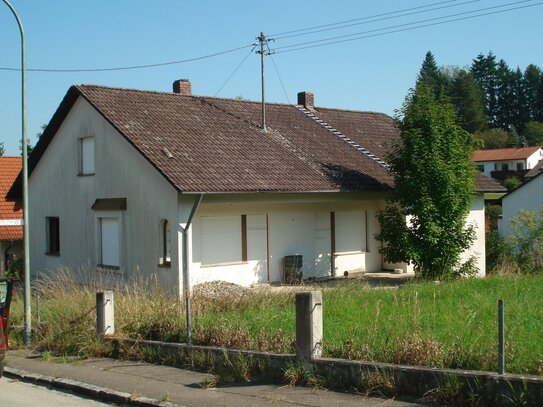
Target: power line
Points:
x,y
126,68
270,53
369,20
361,18
358,36
235,70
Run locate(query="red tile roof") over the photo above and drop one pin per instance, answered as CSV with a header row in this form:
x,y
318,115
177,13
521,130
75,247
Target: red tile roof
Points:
x,y
9,209
501,154
205,144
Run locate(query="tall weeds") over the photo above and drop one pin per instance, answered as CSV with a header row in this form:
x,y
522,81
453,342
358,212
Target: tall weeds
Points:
x,y
452,324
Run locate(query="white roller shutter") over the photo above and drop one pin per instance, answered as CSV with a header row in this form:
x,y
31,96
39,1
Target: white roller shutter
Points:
x,y
350,231
220,239
110,241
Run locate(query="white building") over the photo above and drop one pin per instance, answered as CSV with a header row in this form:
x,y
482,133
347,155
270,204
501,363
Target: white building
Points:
x,y
118,173
507,159
527,196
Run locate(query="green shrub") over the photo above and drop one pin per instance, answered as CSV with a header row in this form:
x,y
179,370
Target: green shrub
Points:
x,y
526,240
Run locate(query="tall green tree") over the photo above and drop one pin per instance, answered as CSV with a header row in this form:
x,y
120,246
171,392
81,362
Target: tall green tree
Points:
x,y
434,188
493,138
430,74
2,149
467,97
483,69
533,133
532,82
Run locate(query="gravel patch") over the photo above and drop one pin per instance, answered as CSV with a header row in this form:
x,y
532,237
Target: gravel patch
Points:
x,y
218,290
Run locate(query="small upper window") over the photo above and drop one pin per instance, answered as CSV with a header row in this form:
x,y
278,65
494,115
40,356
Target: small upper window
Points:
x,y
87,156
53,235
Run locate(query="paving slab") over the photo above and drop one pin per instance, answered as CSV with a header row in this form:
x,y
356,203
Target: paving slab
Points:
x,y
150,384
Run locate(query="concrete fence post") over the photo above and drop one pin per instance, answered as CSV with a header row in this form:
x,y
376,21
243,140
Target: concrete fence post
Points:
x,y
105,314
309,324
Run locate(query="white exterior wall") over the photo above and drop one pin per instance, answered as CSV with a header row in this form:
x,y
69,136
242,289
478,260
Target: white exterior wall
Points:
x,y
528,196
476,218
532,161
297,224
55,189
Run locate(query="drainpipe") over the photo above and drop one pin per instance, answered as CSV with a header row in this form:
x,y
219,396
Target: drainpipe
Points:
x,y
185,266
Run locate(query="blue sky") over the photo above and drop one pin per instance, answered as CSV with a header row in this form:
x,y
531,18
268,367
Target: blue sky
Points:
x,y
372,74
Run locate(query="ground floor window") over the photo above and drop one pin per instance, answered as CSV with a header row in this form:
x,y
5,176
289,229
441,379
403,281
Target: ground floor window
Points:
x,y
349,231
223,239
53,235
110,242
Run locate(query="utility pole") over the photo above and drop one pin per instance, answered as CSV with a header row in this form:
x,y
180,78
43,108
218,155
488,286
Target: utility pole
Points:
x,y
27,314
262,41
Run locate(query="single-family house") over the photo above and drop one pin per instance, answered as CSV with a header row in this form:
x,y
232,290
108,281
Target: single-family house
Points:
x,y
505,162
527,196
11,214
118,174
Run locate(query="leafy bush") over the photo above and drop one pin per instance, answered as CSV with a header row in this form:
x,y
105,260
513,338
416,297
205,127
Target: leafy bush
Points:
x,y
511,183
498,251
526,240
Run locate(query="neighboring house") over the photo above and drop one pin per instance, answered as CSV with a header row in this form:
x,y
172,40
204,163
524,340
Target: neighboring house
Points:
x,y
506,162
11,214
534,171
527,196
117,173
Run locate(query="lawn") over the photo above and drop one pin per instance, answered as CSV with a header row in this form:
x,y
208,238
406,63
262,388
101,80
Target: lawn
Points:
x,y
451,324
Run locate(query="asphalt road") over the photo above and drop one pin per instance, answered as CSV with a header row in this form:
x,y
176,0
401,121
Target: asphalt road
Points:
x,y
20,394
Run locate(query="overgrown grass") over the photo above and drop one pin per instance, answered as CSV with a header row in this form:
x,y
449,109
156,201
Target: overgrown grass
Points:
x,y
452,324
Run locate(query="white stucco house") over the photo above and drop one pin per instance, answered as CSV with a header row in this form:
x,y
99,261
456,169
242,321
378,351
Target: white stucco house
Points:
x,y
118,173
507,159
527,196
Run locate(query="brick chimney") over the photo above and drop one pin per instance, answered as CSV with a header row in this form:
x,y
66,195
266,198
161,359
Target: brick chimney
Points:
x,y
182,86
306,99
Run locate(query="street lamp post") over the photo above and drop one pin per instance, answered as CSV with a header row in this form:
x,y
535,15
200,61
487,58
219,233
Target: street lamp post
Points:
x,y
28,322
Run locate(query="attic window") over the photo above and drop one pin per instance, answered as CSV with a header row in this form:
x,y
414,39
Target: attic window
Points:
x,y
86,154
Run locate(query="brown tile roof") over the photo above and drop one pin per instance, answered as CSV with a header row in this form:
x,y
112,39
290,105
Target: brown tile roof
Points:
x,y
9,209
504,154
205,144
535,171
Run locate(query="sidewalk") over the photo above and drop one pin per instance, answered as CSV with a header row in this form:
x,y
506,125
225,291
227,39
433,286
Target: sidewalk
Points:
x,y
136,383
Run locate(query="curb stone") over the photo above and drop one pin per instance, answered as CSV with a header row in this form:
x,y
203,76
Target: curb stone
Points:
x,y
90,390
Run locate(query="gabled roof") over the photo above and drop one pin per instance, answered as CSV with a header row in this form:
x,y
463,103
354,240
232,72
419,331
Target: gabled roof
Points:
x,y
535,171
205,144
10,210
501,154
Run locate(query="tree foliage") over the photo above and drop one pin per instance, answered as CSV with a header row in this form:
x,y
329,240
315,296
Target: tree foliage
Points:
x,y
493,138
434,184
2,149
526,240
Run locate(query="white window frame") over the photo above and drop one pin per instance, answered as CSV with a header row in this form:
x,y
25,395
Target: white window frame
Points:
x,y
87,161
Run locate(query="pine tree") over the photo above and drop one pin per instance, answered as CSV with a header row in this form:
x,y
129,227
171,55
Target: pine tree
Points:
x,y
532,82
430,74
467,97
505,96
483,69
2,149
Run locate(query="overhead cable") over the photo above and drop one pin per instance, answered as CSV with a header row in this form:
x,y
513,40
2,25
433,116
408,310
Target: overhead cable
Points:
x,y
126,68
360,35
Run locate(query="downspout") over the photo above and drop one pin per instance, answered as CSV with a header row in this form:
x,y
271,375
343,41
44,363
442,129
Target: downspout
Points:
x,y
185,267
